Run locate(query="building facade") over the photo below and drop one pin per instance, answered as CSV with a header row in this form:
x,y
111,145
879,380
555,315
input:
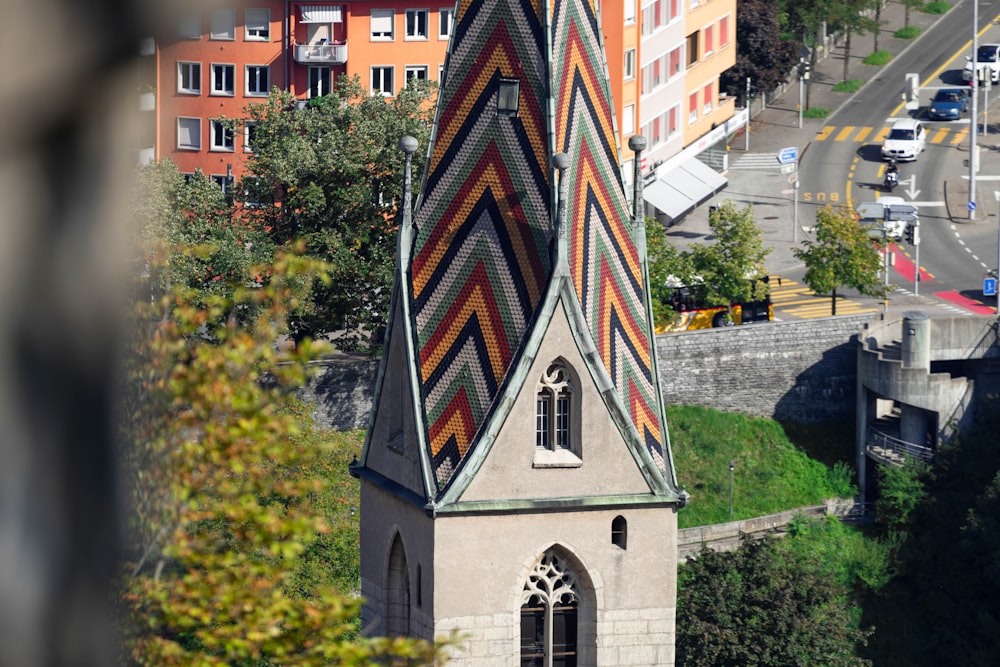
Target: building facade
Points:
x,y
664,58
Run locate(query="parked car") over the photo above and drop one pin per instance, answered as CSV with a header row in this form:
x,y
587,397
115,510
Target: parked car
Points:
x,y
987,57
949,104
907,138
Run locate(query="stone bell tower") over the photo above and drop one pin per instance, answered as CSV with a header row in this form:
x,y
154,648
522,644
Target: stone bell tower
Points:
x,y
516,481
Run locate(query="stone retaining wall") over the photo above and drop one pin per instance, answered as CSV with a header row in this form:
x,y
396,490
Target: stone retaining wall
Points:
x,y
803,371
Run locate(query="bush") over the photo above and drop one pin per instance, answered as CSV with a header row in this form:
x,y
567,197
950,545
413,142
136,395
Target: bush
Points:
x,y
909,32
816,112
880,57
849,86
936,7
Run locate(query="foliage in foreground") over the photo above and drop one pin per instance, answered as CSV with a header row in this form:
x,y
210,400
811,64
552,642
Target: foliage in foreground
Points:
x,y
771,474
943,604
221,512
770,602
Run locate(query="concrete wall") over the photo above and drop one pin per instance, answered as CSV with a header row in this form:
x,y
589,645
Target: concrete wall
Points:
x,y
802,371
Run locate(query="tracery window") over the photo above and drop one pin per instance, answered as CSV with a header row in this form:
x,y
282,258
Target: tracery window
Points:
x,y
549,615
554,405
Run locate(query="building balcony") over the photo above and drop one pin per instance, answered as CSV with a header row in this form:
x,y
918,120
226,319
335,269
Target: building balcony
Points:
x,y
147,101
328,54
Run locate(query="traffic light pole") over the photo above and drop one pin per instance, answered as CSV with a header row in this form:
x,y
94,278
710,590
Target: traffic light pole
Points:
x,y
916,268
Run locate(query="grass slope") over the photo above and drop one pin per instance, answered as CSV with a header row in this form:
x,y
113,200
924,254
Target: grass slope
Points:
x,y
772,472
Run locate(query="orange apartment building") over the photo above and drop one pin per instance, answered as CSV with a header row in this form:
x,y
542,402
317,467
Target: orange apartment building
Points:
x,y
661,55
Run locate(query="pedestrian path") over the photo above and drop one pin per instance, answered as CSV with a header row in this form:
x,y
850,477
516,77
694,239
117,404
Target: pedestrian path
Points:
x,y
792,299
940,133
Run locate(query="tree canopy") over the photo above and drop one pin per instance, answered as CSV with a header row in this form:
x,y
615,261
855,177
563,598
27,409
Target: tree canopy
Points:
x,y
762,55
330,174
843,254
728,268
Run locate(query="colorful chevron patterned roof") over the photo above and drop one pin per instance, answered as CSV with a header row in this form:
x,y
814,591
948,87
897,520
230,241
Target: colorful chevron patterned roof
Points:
x,y
486,246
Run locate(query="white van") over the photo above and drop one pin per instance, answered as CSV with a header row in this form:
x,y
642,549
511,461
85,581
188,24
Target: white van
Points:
x,y
891,212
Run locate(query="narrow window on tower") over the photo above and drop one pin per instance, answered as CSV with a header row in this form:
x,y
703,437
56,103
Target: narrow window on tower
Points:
x,y
556,419
508,97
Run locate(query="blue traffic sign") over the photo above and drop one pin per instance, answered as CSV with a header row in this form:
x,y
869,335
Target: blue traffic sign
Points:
x,y
972,206
788,155
989,286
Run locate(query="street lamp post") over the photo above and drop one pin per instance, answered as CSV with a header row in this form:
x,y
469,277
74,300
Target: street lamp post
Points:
x,y
732,466
973,111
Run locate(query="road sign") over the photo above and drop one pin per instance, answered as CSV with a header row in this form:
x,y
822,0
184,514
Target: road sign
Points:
x,y
788,168
972,206
788,155
989,286
903,212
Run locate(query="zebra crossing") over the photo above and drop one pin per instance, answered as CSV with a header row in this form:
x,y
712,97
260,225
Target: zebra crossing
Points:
x,y
792,300
948,134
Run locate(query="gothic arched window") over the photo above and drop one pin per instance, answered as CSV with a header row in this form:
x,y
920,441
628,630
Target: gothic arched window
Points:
x,y
397,613
619,532
549,615
554,409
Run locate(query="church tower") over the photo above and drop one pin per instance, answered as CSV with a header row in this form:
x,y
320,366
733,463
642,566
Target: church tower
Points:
x,y
516,482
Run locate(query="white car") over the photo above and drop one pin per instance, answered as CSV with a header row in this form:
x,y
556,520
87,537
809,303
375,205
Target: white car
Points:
x,y
987,59
906,140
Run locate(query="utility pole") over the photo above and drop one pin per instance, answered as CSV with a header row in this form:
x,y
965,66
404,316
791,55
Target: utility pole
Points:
x,y
973,111
746,145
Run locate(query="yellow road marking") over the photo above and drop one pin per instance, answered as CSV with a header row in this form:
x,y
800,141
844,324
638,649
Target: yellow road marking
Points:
x,y
844,133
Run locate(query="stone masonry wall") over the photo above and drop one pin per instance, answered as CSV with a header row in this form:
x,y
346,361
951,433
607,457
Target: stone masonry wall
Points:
x,y
802,371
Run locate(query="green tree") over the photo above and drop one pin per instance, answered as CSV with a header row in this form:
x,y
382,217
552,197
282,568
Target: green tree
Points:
x,y
852,17
756,606
221,510
909,5
844,254
331,175
212,246
731,267
900,489
668,266
761,54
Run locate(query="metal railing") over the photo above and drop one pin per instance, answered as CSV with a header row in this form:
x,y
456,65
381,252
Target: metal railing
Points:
x,y
893,450
321,53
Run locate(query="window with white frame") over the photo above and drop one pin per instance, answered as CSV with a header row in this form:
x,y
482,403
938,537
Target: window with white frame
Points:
x,y
249,133
189,78
723,32
222,137
189,26
222,180
708,40
382,80
258,25
656,132
629,10
415,72
630,64
674,62
446,20
554,410
258,78
223,79
440,75
673,121
319,81
628,120
692,107
382,25
549,614
223,24
416,24
708,99
673,10
188,134
655,16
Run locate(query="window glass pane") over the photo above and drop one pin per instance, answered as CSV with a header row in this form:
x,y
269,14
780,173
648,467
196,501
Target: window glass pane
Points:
x,y
258,24
562,422
532,636
542,422
416,23
188,133
445,19
258,79
381,20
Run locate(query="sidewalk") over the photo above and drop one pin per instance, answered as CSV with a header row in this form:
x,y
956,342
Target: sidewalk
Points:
x,y
761,184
